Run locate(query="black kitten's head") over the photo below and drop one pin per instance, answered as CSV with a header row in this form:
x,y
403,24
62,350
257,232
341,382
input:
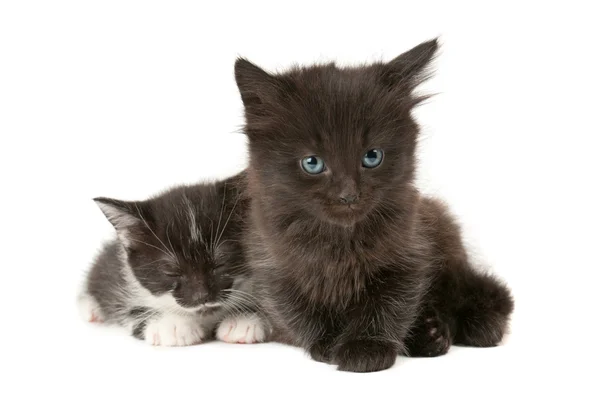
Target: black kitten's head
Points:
x,y
334,143
183,243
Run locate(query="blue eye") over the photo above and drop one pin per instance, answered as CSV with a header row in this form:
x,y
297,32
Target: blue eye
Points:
x,y
313,164
372,158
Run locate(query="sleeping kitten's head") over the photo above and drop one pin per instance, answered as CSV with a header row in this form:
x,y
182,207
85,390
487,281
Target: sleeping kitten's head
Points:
x,y
333,143
184,242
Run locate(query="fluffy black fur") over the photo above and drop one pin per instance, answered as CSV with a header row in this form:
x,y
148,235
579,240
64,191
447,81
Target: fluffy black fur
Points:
x,y
352,263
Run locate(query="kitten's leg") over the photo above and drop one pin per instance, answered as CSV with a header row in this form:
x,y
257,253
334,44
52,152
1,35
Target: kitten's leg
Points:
x,y
89,309
366,355
242,329
474,306
477,305
429,336
321,350
174,330
137,319
483,316
377,328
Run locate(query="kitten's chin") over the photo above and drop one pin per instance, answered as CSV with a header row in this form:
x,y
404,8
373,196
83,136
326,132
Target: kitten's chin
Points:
x,y
344,216
202,308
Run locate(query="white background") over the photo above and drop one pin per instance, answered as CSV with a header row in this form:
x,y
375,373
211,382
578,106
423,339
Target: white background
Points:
x,y
123,99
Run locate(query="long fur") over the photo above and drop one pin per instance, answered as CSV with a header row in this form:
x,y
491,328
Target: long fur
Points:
x,y
355,285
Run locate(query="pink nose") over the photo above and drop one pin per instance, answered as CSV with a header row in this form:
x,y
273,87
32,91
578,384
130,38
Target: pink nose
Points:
x,y
199,297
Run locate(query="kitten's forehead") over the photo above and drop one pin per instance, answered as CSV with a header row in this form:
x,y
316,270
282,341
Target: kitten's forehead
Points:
x,y
198,216
336,109
340,88
178,216
191,220
346,103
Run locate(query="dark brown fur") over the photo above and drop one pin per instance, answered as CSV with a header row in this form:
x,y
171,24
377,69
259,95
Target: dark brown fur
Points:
x,y
355,284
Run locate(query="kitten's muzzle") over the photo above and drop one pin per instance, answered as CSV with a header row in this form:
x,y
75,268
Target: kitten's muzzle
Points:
x,y
348,193
199,298
349,199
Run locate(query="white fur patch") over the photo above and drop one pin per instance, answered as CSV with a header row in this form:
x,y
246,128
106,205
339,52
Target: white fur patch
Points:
x,y
89,309
246,329
140,296
195,233
174,330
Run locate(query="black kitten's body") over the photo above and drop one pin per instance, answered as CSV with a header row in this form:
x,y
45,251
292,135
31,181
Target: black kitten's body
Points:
x,y
463,306
176,267
349,260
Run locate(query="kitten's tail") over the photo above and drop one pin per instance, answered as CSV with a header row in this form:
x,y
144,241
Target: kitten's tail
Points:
x,y
483,309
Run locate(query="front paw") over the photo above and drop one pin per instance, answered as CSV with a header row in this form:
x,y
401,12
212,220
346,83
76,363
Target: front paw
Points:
x,y
365,356
320,352
430,336
174,330
246,329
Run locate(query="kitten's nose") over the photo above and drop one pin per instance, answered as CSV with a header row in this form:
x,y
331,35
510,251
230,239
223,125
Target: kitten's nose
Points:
x,y
199,297
349,198
348,193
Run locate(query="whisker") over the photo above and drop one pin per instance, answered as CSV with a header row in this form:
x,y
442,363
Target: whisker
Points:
x,y
238,308
150,263
150,229
240,292
157,248
211,235
169,239
220,214
228,218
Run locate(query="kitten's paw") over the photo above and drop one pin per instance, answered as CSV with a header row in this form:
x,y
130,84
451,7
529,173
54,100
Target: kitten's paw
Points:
x,y
365,356
320,352
430,336
174,330
246,329
89,309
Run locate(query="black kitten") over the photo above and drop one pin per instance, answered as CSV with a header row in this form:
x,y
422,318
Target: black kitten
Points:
x,y
176,268
350,261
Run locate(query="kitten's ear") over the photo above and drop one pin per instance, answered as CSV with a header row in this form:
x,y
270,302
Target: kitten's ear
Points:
x,y
256,86
409,69
125,216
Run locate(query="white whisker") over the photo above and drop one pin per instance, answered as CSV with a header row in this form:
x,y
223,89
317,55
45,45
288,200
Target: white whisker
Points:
x,y
157,248
151,231
228,218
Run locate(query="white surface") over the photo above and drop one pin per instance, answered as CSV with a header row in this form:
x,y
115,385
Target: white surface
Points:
x,y
123,99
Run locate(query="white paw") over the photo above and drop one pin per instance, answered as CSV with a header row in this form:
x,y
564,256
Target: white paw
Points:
x,y
89,309
174,330
246,329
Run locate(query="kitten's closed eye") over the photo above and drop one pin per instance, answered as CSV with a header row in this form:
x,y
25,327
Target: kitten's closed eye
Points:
x,y
220,269
172,274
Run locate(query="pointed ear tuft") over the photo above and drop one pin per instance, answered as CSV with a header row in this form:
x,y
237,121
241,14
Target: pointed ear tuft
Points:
x,y
411,68
255,85
121,214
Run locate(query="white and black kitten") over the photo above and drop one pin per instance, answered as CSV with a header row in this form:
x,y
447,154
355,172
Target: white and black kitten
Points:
x,y
176,269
